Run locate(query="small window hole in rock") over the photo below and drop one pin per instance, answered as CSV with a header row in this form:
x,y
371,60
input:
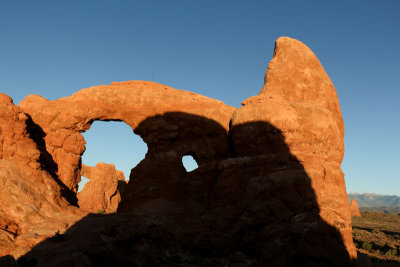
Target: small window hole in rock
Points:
x,y
189,161
112,142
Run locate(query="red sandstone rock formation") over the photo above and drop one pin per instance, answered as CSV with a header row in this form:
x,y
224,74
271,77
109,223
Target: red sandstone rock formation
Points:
x,y
299,99
31,205
132,102
355,212
102,192
268,190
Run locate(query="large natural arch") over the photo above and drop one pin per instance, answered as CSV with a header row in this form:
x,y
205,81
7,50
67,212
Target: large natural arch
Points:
x,y
64,120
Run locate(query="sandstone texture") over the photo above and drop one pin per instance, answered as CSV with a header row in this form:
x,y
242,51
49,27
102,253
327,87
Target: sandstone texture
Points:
x,y
31,205
269,190
300,105
103,192
132,102
355,211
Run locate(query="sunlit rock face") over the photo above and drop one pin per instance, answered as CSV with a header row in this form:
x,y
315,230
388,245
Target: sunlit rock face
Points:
x,y
300,103
31,204
103,191
64,119
355,211
268,189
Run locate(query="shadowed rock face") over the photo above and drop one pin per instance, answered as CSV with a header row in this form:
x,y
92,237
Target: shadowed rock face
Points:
x,y
268,189
299,99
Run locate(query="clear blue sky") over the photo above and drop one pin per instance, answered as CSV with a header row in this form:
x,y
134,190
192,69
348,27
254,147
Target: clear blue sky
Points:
x,y
219,49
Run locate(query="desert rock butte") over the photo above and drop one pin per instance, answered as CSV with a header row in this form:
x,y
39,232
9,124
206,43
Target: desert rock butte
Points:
x,y
355,211
269,189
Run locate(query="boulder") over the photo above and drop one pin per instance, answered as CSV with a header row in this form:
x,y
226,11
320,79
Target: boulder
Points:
x,y
103,192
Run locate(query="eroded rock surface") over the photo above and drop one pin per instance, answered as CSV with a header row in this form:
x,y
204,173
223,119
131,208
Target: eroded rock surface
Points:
x,y
31,205
355,211
103,192
269,189
64,119
299,104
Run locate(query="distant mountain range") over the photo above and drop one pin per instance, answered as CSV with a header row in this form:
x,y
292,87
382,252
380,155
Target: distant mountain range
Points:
x,y
375,200
387,210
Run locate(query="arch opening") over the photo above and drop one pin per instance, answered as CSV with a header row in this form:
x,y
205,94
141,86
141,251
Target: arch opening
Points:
x,y
190,161
112,142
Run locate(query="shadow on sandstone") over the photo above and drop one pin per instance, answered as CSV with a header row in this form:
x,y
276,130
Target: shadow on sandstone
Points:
x,y
249,203
46,159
